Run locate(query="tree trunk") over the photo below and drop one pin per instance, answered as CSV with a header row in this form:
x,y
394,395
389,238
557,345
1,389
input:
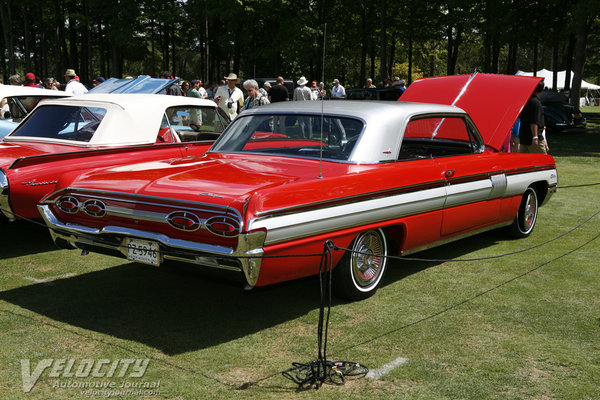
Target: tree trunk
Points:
x,y
410,57
555,64
535,57
392,56
26,49
6,19
578,65
569,61
363,45
383,43
453,44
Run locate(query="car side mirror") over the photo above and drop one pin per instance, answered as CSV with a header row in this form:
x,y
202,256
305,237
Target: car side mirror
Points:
x,y
7,115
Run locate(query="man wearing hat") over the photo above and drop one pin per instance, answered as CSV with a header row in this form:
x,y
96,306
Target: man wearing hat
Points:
x,y
302,93
338,91
98,81
30,80
74,87
229,97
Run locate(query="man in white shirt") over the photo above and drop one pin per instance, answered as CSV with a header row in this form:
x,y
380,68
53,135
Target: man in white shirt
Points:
x,y
338,91
302,93
229,97
73,87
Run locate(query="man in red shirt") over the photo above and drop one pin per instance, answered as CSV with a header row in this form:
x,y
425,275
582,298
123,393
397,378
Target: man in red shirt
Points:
x,y
30,80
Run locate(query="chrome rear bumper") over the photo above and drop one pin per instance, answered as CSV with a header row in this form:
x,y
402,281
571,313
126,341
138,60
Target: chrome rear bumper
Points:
x,y
246,256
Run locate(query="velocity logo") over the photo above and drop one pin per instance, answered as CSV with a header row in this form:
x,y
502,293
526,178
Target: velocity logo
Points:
x,y
85,368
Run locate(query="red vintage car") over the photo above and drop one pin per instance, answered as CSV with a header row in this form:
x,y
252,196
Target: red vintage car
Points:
x,y
95,130
379,178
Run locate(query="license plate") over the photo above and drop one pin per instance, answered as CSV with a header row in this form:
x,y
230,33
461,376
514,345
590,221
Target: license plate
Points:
x,y
143,251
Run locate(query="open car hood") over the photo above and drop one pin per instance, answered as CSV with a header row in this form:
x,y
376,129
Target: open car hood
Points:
x,y
142,84
494,102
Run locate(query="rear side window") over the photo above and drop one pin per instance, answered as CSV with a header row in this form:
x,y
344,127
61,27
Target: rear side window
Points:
x,y
195,122
437,137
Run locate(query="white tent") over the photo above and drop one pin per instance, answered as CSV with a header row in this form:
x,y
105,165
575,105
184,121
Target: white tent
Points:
x,y
548,82
547,75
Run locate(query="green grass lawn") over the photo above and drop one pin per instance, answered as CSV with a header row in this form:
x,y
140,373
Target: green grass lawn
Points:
x,y
523,326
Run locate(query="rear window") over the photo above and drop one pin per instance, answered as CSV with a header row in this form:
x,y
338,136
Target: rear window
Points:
x,y
292,135
62,122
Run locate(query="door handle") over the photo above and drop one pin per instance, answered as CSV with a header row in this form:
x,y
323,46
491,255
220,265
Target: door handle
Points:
x,y
449,173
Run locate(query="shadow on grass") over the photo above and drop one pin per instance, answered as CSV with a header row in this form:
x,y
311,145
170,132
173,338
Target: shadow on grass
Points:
x,y
172,311
575,143
21,238
177,311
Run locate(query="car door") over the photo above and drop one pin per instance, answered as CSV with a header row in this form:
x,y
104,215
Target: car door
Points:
x,y
475,181
472,179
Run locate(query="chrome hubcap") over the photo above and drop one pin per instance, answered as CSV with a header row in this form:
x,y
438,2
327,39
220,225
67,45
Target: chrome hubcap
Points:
x,y
529,212
368,258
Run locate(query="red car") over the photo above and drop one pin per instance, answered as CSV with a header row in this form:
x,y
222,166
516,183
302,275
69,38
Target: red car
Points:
x,y
94,130
379,178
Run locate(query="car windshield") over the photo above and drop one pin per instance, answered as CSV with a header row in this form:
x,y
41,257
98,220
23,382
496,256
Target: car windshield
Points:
x,y
62,122
292,135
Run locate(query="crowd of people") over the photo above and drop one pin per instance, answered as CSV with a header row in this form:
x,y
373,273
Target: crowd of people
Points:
x,y
226,93
528,134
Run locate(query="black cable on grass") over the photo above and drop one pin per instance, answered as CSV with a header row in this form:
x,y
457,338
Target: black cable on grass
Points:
x,y
470,299
320,371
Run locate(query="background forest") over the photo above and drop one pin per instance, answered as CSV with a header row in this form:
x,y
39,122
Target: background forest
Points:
x,y
207,39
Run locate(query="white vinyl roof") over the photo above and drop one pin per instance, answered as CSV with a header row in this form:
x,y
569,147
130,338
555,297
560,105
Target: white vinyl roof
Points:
x,y
129,119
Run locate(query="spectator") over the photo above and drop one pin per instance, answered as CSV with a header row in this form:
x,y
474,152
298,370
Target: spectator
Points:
x,y
265,89
196,89
279,92
49,83
402,85
322,91
514,136
255,98
174,89
30,80
399,84
302,93
210,93
185,87
531,138
14,80
230,98
73,86
369,84
337,91
98,81
314,91
202,91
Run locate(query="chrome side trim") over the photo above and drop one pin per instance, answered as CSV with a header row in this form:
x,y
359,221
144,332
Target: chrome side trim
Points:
x,y
312,222
248,249
4,202
281,228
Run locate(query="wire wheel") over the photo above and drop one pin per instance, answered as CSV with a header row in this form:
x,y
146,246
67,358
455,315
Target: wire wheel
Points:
x,y
360,271
524,222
